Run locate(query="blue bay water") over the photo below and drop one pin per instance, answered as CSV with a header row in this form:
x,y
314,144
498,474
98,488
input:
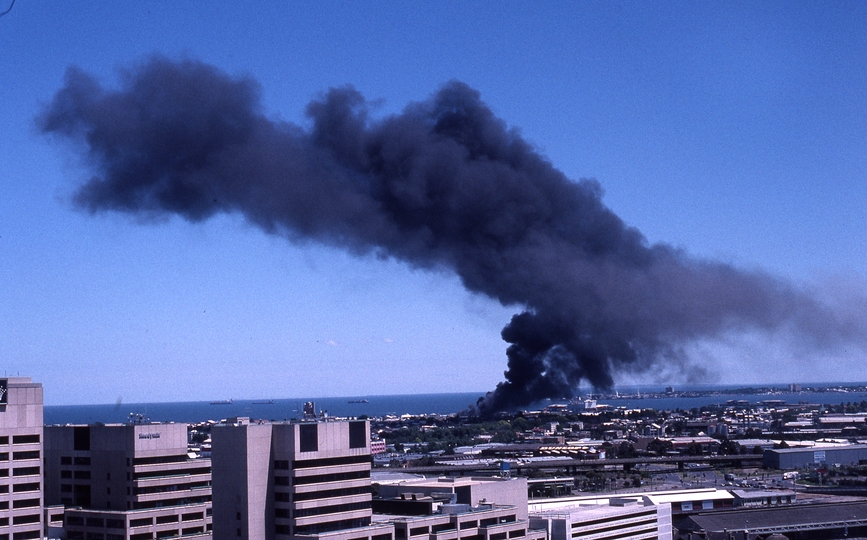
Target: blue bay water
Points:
x,y
415,404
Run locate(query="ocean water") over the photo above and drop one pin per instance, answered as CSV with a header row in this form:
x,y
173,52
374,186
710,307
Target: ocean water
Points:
x,y
416,404
280,409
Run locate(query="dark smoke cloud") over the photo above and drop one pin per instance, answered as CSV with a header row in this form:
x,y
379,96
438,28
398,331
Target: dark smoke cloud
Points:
x,y
444,185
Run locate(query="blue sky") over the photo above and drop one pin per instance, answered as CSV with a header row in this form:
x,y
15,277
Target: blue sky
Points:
x,y
732,130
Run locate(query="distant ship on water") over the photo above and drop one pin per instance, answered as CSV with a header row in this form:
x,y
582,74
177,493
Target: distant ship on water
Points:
x,y
222,402
263,402
358,401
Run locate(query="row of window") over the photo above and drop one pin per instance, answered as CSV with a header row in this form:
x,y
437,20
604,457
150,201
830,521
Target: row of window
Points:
x,y
21,520
321,478
23,535
284,464
78,475
322,494
20,471
69,460
95,522
334,509
172,472
649,524
20,439
20,488
28,454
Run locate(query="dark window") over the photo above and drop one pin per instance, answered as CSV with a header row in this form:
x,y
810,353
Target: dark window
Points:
x,y
418,530
309,435
498,536
518,534
25,471
141,522
328,462
281,464
25,439
95,522
4,439
31,518
18,488
4,456
81,438
66,460
166,519
281,480
469,524
193,516
75,520
114,523
66,474
357,434
335,477
66,488
82,460
30,454
25,503
82,475
27,535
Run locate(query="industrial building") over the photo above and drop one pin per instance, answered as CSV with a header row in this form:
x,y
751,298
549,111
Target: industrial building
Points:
x,y
808,521
132,481
21,503
797,458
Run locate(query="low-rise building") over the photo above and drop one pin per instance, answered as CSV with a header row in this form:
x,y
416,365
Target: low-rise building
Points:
x,y
634,518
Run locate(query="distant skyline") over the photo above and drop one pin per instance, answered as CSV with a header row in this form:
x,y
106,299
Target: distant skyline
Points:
x,y
732,131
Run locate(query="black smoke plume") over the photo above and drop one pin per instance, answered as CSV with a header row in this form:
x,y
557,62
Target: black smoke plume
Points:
x,y
444,185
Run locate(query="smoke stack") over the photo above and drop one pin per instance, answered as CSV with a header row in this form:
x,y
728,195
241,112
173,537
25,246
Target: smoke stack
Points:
x,y
443,185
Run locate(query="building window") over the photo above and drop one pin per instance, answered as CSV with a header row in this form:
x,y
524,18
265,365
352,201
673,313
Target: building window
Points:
x,y
309,435
31,518
357,434
31,454
25,471
25,439
81,438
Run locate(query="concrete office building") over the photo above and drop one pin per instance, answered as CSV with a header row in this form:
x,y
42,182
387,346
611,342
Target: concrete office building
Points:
x,y
133,481
457,509
466,522
21,503
282,480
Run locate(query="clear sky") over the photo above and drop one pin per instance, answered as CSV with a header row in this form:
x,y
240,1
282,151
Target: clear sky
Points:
x,y
736,131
